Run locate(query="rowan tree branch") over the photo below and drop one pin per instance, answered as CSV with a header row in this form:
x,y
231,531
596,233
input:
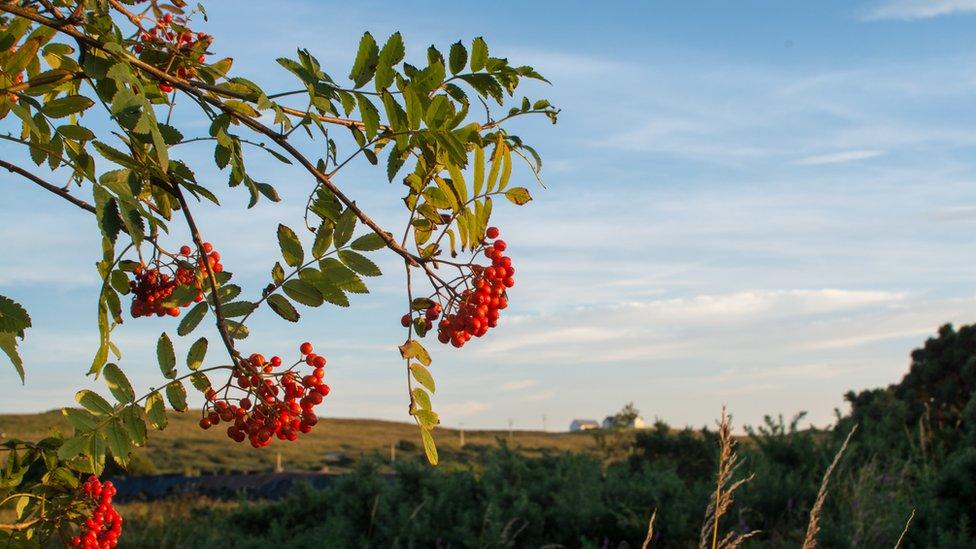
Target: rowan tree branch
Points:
x,y
18,526
211,278
53,188
193,88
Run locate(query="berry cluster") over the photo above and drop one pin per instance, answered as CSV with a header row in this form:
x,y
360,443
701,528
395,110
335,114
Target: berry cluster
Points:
x,y
476,310
153,288
103,527
284,402
183,49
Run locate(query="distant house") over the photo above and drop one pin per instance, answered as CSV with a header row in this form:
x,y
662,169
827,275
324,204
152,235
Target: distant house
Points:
x,y
610,422
583,425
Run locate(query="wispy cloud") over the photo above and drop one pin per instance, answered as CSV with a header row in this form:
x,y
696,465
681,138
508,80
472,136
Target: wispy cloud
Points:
x,y
520,384
838,158
908,10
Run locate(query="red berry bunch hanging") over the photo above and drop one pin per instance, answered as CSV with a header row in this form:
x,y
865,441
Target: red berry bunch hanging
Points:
x,y
474,310
284,401
173,47
153,286
103,528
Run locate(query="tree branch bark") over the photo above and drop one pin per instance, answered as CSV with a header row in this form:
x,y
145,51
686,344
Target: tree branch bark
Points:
x,y
53,188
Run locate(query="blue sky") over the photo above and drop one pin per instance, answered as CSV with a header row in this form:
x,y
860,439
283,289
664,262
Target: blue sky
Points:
x,y
763,204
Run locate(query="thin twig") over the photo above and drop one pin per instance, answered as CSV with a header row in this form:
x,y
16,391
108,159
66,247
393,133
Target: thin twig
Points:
x,y
211,278
901,538
19,526
53,188
650,530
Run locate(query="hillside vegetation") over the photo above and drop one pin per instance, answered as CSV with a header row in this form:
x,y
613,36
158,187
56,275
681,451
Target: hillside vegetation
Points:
x,y
184,448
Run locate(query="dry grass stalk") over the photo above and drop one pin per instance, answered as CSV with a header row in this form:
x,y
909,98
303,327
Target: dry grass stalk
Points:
x,y
813,527
901,538
650,530
725,489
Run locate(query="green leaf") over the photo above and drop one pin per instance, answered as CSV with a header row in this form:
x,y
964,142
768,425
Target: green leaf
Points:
x,y
118,441
176,394
368,243
458,184
291,247
371,116
428,419
479,170
496,164
93,402
277,273
392,53
323,240
194,358
192,318
457,58
156,410
518,195
228,292
81,420
200,381
237,308
8,343
13,317
413,349
283,307
506,169
479,54
96,453
344,227
415,109
119,282
166,356
237,330
303,292
134,420
366,59
79,133
430,449
342,277
359,263
118,384
423,377
421,398
72,447
66,106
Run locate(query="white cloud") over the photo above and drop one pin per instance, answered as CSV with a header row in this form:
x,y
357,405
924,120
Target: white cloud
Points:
x,y
462,409
919,9
519,384
837,158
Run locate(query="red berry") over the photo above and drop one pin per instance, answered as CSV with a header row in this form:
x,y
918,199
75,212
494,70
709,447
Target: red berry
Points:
x,y
500,245
405,320
306,348
492,232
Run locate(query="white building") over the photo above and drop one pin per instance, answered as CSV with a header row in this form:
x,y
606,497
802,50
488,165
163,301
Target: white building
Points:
x,y
583,425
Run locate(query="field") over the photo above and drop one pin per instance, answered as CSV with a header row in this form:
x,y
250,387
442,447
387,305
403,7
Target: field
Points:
x,y
334,443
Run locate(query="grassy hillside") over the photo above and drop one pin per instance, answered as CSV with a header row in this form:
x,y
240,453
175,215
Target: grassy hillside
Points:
x,y
185,448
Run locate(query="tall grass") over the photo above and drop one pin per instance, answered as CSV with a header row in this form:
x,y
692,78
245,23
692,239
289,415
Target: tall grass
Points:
x,y
725,489
813,526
